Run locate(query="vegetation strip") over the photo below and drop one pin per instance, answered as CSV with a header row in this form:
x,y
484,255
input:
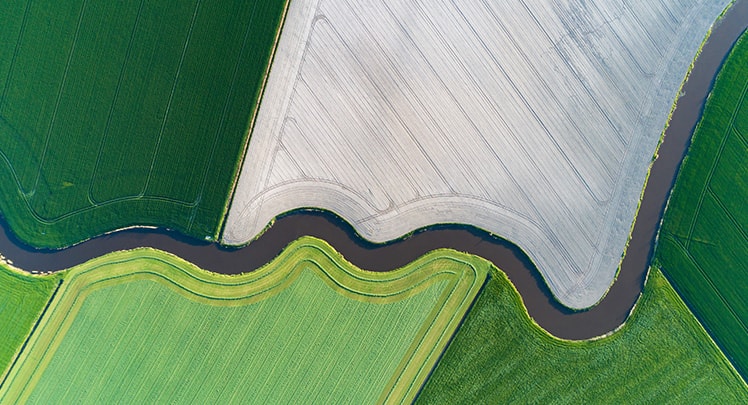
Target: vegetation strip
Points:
x,y
607,315
703,246
387,329
31,333
23,300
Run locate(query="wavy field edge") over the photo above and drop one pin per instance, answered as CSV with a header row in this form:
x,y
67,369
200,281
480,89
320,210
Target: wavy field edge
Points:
x,y
461,275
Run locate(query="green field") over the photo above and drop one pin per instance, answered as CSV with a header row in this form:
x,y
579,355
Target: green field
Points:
x,y
661,355
136,112
703,242
146,327
22,299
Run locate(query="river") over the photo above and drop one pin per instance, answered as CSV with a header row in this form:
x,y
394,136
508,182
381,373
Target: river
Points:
x,y
560,321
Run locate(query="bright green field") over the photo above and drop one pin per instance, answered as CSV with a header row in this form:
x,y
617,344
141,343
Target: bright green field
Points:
x,y
661,355
117,113
703,242
22,299
146,327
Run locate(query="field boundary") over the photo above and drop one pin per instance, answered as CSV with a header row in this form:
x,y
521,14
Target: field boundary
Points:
x,y
705,275
248,136
31,333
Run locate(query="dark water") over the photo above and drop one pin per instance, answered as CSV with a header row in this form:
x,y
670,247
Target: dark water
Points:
x,y
554,317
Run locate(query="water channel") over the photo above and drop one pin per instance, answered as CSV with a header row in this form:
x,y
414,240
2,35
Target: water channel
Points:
x,y
560,321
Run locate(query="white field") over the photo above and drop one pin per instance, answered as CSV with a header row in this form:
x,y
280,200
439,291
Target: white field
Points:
x,y
535,120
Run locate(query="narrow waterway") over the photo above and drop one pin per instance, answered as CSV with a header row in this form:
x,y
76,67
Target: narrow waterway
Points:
x,y
610,313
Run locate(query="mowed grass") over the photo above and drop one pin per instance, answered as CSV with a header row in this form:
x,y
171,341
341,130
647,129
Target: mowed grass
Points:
x,y
703,242
125,113
145,327
661,355
22,299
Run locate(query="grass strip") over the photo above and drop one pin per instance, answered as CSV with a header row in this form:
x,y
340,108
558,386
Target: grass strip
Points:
x,y
23,297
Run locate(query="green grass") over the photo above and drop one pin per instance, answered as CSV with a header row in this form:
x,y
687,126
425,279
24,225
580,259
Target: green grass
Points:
x,y
22,299
703,242
115,114
146,327
661,354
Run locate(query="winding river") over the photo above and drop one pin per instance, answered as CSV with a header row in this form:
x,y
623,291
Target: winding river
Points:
x,y
560,321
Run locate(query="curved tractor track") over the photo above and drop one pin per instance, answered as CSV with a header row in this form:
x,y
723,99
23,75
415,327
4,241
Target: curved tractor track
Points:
x,y
560,321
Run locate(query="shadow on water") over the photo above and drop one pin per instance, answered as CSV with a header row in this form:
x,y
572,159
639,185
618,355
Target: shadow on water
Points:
x,y
560,321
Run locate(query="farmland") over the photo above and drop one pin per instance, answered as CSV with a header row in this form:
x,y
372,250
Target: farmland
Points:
x,y
114,114
536,121
22,299
660,355
703,242
144,326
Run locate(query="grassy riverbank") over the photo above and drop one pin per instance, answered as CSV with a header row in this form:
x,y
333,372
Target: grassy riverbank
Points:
x,y
661,354
167,330
145,326
703,243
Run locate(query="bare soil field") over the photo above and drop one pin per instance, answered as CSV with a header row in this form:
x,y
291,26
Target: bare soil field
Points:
x,y
536,122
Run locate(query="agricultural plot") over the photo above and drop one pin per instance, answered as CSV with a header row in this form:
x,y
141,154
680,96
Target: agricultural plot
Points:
x,y
703,242
144,326
136,112
661,355
536,121
22,299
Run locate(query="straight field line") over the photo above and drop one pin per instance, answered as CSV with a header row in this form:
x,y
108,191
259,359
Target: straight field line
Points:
x,y
91,198
59,96
217,135
15,52
171,98
726,134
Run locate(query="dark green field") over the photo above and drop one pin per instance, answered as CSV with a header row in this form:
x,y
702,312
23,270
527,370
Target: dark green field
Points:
x,y
120,113
661,355
703,243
